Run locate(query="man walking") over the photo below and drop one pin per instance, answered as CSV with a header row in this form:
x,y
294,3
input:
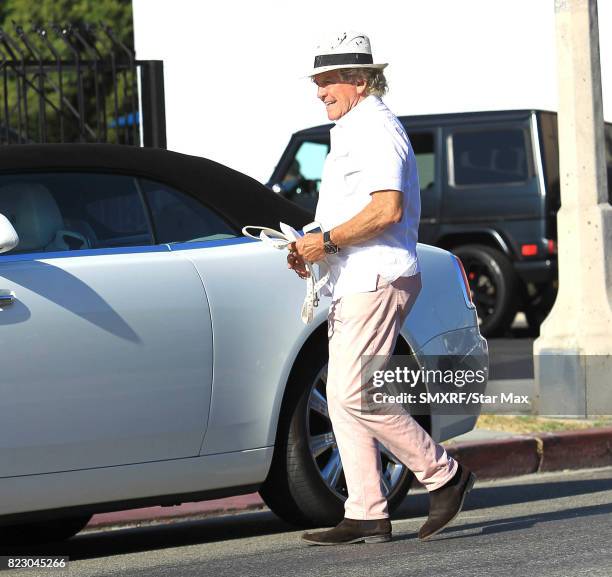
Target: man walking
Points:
x,y
369,208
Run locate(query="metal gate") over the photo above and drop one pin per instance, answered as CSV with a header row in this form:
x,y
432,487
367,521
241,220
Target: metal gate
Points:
x,y
78,84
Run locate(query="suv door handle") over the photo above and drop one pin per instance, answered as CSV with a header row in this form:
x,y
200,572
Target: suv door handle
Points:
x,y
6,298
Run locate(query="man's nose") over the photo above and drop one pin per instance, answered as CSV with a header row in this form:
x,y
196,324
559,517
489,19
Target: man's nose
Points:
x,y
321,92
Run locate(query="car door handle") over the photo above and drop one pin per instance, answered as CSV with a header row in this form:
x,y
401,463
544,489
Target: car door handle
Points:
x,y
6,298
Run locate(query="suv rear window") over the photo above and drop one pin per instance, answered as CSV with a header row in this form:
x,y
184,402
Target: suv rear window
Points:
x,y
488,157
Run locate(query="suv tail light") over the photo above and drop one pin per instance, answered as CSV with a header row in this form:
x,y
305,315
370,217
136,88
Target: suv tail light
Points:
x,y
467,293
529,249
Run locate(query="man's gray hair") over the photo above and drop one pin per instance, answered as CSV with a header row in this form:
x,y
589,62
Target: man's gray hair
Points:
x,y
375,80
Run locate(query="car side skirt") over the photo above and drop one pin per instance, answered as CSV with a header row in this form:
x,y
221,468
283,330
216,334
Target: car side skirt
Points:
x,y
38,497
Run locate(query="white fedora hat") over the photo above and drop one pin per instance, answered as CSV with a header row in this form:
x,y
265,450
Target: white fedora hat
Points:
x,y
348,49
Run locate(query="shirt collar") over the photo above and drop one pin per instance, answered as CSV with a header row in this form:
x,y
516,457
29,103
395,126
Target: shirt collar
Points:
x,y
368,103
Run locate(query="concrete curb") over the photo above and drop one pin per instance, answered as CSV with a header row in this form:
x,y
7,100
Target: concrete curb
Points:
x,y
499,458
495,459
576,450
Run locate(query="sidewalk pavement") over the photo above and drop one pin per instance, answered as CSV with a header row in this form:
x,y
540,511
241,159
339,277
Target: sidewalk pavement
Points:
x,y
490,454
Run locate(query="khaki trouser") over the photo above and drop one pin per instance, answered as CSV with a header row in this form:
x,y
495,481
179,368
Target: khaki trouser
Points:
x,y
368,324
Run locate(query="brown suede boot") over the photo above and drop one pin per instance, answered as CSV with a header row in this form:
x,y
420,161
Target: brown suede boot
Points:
x,y
446,502
352,531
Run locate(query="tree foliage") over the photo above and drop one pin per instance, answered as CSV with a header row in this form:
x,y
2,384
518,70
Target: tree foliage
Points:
x,y
84,17
116,13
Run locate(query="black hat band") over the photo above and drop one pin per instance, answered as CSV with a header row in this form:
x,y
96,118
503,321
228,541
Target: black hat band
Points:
x,y
347,58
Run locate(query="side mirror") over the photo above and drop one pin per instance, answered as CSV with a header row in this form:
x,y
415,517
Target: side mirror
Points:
x,y
8,235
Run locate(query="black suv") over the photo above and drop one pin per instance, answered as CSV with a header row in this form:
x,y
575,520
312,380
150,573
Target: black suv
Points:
x,y
489,192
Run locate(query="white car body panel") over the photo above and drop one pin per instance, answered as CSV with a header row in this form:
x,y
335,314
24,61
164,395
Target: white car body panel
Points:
x,y
257,335
107,360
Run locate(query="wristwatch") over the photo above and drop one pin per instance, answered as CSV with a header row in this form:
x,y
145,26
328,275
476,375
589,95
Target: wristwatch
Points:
x,y
328,245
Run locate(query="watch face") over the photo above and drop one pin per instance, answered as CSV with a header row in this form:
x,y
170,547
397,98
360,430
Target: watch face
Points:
x,y
330,249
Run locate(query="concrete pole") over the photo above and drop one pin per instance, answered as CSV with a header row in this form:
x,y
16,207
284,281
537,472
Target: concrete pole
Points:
x,y
573,356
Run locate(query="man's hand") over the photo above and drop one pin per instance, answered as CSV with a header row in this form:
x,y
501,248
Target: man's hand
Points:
x,y
310,247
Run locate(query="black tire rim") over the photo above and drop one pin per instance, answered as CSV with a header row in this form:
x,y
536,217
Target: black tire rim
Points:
x,y
484,287
324,450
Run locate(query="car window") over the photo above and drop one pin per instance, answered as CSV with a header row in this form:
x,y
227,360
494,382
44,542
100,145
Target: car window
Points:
x,y
488,157
178,217
302,180
423,147
73,211
310,159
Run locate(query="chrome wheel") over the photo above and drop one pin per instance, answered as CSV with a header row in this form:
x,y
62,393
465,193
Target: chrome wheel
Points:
x,y
324,450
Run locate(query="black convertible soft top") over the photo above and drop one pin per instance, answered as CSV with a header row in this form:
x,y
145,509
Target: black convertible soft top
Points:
x,y
239,198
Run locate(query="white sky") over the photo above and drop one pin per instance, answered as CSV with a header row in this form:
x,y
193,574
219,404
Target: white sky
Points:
x,y
232,69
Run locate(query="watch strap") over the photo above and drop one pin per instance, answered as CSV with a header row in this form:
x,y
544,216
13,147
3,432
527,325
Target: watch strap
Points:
x,y
328,243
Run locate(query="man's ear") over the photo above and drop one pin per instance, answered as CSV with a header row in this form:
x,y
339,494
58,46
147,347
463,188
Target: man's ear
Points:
x,y
361,86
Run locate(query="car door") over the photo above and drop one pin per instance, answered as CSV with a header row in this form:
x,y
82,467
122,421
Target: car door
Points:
x,y
107,345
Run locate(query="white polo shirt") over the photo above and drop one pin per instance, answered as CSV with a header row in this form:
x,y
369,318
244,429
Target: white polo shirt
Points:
x,y
370,151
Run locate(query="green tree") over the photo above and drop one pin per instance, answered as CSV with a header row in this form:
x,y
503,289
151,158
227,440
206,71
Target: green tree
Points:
x,y
118,13
82,17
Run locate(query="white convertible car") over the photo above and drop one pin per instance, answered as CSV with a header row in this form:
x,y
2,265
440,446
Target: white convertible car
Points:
x,y
152,355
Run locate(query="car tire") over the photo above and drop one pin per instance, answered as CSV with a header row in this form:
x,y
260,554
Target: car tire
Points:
x,y
43,531
494,286
295,488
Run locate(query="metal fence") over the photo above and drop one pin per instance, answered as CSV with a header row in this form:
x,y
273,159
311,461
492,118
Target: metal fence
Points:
x,y
78,84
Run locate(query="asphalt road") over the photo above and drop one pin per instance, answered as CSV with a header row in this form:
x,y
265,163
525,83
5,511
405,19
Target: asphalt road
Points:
x,y
544,525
